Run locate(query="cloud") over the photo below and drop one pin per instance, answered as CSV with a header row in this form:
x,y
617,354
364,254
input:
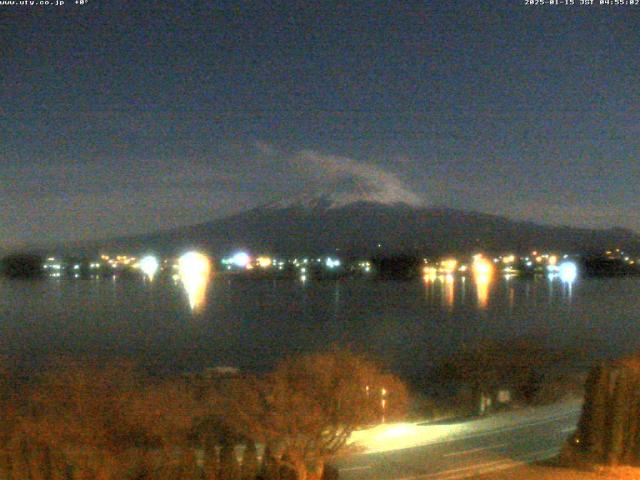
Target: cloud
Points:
x,y
352,180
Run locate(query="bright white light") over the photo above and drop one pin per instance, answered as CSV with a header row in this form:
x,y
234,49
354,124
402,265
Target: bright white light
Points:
x,y
149,266
332,263
193,264
195,273
396,436
240,259
568,272
482,266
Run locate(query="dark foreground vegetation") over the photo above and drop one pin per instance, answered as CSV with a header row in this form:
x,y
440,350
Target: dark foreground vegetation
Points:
x,y
492,375
80,420
609,428
90,420
21,265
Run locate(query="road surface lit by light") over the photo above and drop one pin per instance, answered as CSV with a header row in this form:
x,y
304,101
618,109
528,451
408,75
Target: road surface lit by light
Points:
x,y
396,436
195,273
456,449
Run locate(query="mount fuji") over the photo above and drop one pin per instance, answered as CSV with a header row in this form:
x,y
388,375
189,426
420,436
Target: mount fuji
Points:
x,y
349,219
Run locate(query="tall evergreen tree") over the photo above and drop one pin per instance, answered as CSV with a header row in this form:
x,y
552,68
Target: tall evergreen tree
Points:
x,y
609,428
592,425
619,417
631,435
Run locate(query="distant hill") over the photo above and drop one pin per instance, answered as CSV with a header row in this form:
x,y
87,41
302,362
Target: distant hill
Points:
x,y
324,224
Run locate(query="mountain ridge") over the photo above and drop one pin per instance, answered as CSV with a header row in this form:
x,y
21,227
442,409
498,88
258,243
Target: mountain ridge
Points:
x,y
369,228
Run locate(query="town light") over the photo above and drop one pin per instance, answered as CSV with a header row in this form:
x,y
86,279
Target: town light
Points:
x,y
430,274
482,274
240,259
568,271
195,271
264,262
449,265
332,263
482,266
149,265
193,264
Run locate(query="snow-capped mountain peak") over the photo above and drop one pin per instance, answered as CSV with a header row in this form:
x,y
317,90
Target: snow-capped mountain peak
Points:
x,y
346,192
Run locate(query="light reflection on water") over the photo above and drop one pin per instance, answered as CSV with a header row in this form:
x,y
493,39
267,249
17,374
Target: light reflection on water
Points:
x,y
449,290
483,271
194,272
251,323
484,285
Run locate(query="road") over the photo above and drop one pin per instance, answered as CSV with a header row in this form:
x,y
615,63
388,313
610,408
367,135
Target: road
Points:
x,y
456,450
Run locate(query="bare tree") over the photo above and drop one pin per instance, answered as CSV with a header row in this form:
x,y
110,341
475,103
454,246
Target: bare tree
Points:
x,y
309,406
249,469
165,413
107,422
76,413
82,420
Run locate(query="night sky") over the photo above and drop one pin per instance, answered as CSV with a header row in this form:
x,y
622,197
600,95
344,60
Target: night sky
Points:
x,y
123,117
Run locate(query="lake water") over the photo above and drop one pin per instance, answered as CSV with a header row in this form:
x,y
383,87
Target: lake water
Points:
x,y
250,323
